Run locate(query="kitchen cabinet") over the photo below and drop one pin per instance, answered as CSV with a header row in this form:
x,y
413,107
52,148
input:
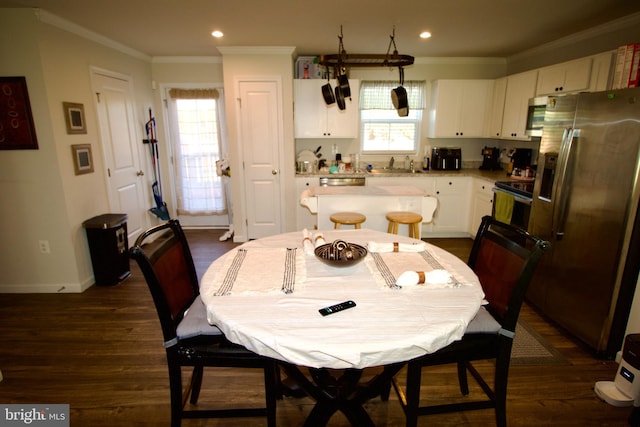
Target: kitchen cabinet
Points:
x,y
520,88
304,217
494,129
313,118
481,203
567,77
459,108
452,217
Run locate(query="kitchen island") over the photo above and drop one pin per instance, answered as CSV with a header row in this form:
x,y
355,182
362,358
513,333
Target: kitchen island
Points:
x,y
464,196
372,201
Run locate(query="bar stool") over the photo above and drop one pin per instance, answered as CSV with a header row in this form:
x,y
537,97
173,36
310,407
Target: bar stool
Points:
x,y
347,218
412,219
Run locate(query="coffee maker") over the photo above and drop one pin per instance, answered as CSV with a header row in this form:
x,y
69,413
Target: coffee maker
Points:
x,y
491,159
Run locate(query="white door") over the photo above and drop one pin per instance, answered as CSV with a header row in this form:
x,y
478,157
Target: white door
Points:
x,y
261,139
120,144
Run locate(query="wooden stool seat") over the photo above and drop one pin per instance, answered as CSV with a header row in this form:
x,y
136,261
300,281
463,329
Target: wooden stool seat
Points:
x,y
412,219
347,218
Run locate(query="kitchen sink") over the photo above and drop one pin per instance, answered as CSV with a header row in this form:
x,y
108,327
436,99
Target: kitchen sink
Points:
x,y
386,171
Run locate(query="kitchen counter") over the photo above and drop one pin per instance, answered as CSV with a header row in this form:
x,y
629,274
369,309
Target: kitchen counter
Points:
x,y
490,176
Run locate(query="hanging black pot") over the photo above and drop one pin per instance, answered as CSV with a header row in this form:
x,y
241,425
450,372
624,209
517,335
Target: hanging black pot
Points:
x,y
327,93
343,82
399,97
340,98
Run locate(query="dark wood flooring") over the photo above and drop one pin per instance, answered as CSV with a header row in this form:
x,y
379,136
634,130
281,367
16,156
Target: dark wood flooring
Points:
x,y
100,352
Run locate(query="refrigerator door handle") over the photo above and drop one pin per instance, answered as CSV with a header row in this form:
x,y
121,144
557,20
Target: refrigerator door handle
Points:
x,y
562,198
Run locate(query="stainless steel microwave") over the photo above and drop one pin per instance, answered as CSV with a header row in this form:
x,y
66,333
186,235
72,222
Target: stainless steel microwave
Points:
x,y
535,114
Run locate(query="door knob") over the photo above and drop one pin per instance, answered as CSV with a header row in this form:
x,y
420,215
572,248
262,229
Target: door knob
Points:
x,y
139,173
274,172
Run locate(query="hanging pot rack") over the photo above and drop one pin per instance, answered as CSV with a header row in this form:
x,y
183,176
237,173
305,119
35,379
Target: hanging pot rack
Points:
x,y
344,60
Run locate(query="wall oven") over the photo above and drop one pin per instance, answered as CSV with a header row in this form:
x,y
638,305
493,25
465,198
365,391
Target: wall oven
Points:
x,y
522,193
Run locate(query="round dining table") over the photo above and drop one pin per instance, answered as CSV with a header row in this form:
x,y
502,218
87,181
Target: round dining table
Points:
x,y
266,295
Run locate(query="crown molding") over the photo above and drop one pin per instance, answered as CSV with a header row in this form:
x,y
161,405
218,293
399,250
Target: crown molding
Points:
x,y
187,60
581,36
460,60
256,50
53,20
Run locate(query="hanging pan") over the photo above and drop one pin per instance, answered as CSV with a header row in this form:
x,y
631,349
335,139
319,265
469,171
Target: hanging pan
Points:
x,y
340,98
327,93
399,97
343,82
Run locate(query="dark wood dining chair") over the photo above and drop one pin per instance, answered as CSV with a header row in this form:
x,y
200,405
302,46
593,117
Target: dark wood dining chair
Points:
x,y
504,259
163,254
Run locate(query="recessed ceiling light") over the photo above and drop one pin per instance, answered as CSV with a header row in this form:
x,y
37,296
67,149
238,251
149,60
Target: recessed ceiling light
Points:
x,y
425,35
217,34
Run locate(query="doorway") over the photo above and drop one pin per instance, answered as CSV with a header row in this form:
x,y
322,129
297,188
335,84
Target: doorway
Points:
x,y
196,123
126,186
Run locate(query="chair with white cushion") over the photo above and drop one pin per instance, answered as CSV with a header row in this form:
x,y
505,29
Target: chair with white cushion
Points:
x,y
189,340
504,258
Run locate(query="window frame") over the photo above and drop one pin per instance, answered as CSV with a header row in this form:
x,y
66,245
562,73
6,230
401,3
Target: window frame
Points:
x,y
416,115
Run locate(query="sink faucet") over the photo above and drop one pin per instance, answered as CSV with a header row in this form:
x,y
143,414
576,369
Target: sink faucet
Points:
x,y
391,163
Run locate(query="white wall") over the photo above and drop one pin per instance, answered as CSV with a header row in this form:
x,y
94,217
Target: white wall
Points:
x,y
42,197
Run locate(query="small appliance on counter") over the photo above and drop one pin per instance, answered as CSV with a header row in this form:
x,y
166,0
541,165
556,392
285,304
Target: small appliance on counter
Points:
x,y
491,159
521,158
446,159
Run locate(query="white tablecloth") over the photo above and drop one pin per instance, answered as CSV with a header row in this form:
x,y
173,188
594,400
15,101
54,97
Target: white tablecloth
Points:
x,y
388,325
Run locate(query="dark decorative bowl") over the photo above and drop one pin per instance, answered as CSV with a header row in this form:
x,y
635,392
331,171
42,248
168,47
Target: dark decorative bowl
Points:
x,y
340,253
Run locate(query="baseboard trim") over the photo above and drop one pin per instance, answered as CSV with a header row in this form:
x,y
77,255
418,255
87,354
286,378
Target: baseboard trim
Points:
x,y
46,288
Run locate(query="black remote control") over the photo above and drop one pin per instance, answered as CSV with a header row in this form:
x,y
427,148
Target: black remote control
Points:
x,y
336,308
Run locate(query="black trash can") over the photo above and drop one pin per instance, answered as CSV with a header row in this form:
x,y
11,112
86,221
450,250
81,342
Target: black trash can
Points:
x,y
109,247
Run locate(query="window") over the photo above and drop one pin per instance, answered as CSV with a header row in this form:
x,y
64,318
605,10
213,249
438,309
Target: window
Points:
x,y
382,130
196,139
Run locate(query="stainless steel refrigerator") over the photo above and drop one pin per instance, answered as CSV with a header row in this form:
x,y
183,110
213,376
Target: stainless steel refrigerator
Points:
x,y
585,203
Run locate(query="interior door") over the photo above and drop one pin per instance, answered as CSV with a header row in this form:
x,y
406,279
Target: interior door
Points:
x,y
125,181
261,138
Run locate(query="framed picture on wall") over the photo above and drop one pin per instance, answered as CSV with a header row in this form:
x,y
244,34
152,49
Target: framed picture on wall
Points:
x,y
17,130
74,117
82,159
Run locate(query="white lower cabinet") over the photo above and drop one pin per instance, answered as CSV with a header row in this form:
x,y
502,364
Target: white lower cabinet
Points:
x,y
481,203
304,217
425,183
452,216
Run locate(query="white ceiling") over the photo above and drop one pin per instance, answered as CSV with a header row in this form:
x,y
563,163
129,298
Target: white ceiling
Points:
x,y
461,28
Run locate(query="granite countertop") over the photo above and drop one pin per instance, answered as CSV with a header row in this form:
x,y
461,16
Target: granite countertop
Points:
x,y
490,176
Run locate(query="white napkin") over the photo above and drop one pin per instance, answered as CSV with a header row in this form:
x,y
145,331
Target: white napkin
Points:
x,y
430,278
395,247
307,242
318,239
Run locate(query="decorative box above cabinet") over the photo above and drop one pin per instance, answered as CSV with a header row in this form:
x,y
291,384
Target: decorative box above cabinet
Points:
x,y
460,108
313,118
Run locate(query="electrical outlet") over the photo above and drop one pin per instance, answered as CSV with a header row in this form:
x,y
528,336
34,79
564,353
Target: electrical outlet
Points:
x,y
44,247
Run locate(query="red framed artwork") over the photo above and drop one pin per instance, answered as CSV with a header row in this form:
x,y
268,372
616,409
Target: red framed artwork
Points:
x,y
17,131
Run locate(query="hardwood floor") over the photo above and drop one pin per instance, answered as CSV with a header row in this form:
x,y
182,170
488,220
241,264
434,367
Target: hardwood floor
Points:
x,y
100,352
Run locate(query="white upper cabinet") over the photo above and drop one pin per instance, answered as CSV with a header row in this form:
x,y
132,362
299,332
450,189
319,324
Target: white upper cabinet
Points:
x,y
313,118
460,108
520,88
497,108
571,76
